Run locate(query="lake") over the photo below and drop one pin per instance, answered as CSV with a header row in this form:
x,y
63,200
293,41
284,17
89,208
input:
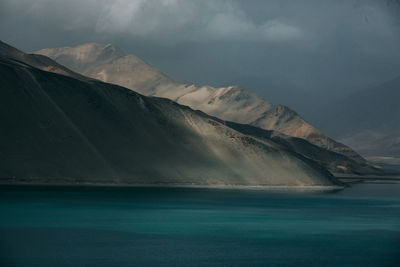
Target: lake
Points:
x,y
391,167
151,226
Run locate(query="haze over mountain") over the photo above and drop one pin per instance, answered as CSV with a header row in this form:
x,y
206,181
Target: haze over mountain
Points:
x,y
234,103
58,128
368,120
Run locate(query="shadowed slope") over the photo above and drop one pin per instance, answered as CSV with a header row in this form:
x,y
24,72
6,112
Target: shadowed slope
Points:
x,y
38,61
234,103
56,128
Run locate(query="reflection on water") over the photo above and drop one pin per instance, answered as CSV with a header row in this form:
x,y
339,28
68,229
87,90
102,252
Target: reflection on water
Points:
x,y
117,226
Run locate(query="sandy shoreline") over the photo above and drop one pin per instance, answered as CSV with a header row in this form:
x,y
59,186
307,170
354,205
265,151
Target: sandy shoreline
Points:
x,y
305,188
345,178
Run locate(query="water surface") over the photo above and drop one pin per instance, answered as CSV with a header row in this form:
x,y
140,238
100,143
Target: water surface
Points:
x,y
117,226
391,167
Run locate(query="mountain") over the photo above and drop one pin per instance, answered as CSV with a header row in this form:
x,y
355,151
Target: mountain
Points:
x,y
38,61
369,120
56,128
234,103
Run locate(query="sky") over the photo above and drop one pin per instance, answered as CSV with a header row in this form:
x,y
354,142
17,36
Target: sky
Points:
x,y
298,53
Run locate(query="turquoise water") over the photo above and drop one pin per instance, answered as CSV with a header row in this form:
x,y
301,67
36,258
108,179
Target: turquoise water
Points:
x,y
392,167
115,226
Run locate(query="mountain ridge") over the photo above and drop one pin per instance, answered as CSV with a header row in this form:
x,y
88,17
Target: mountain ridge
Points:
x,y
232,103
38,61
59,128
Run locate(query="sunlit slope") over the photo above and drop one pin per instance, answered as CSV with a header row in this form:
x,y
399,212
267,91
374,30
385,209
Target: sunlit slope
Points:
x,y
56,128
234,103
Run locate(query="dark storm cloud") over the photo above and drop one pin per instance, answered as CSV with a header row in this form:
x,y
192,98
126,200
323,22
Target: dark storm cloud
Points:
x,y
163,21
286,51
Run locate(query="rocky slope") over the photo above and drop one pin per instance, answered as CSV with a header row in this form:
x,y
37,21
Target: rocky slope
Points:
x,y
61,129
234,103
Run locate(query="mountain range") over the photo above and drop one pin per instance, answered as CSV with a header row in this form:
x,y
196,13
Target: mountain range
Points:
x,y
368,120
59,126
110,64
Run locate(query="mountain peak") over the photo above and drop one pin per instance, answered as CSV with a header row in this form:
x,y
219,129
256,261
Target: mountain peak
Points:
x,y
80,57
101,48
96,132
232,103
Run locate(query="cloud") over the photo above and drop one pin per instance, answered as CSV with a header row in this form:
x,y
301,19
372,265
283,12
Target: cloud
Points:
x,y
170,21
328,47
231,27
144,18
206,21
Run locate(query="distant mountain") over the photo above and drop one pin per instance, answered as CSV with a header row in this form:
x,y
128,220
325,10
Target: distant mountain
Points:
x,y
234,103
369,120
56,128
